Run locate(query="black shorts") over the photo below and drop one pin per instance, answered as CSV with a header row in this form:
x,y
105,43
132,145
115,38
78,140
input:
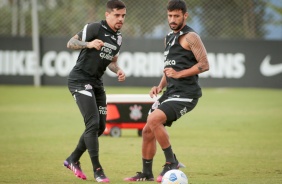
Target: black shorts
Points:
x,y
174,107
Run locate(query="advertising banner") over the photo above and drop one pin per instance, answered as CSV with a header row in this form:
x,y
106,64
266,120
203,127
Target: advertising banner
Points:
x,y
233,63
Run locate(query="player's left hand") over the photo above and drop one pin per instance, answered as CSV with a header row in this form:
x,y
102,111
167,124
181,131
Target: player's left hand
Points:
x,y
170,72
120,75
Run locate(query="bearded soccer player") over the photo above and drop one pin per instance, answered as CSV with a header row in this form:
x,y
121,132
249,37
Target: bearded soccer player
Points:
x,y
185,58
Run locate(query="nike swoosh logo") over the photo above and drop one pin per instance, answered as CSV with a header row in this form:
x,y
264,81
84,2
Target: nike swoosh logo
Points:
x,y
107,35
268,69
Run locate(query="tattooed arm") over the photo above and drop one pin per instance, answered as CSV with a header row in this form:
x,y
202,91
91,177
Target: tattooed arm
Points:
x,y
75,43
197,47
113,66
193,42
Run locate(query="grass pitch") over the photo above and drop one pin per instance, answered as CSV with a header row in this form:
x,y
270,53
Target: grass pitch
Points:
x,y
232,136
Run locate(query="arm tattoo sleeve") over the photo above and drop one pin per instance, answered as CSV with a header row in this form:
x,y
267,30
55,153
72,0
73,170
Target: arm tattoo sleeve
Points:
x,y
75,43
199,51
113,67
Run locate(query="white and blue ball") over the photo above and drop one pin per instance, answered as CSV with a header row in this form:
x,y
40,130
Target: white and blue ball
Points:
x,y
174,176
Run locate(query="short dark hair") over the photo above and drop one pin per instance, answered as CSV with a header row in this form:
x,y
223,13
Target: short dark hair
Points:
x,y
177,5
115,4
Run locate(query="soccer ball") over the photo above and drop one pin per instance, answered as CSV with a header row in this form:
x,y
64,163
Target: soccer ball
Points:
x,y
174,176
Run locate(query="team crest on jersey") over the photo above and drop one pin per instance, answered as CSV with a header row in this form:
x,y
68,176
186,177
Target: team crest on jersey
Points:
x,y
135,113
88,86
119,40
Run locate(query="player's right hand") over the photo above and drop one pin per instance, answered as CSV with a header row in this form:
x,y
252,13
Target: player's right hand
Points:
x,y
97,44
155,90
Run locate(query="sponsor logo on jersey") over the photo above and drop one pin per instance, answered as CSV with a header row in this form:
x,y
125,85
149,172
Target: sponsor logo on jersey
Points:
x,y
110,46
169,62
106,56
107,51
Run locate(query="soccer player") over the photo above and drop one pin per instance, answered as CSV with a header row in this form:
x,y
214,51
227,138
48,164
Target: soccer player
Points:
x,y
185,57
99,44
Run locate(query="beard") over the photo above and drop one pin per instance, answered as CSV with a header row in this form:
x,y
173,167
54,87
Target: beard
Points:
x,y
173,26
178,27
118,26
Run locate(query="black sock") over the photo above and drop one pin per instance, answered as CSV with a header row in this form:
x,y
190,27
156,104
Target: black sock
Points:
x,y
93,150
169,156
147,166
79,150
96,163
76,154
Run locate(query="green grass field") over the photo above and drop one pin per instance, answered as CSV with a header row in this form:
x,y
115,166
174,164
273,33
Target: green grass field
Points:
x,y
233,136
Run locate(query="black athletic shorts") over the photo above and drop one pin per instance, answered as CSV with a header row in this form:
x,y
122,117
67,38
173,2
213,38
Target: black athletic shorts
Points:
x,y
174,107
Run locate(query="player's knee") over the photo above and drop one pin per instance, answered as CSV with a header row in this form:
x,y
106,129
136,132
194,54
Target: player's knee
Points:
x,y
92,125
153,122
147,133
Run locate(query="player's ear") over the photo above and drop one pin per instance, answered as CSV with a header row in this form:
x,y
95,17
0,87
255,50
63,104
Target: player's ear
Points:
x,y
186,15
106,14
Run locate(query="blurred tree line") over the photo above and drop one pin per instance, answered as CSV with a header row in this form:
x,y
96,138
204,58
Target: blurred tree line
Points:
x,y
227,19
